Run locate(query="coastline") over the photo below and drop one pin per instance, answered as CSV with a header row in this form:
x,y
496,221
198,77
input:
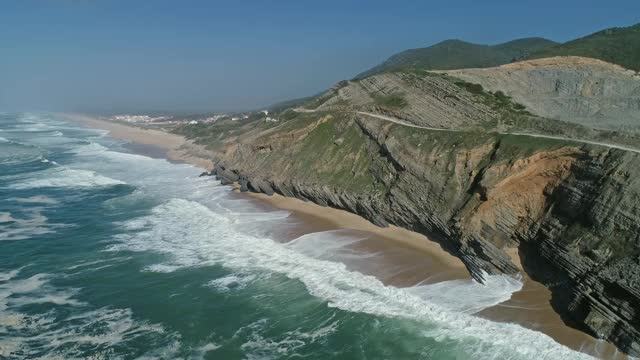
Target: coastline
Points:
x,y
177,147
181,150
529,307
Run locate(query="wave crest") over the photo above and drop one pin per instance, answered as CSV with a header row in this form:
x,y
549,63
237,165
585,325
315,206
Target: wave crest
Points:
x,y
66,178
193,235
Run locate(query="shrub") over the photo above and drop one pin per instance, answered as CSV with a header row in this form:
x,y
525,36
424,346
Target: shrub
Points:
x,y
391,101
500,95
471,87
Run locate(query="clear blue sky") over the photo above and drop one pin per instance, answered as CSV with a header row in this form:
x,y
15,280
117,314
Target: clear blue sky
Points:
x,y
181,55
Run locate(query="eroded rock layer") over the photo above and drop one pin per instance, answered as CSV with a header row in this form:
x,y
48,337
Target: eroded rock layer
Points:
x,y
572,211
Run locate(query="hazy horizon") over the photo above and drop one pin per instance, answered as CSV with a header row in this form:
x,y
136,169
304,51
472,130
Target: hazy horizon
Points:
x,y
196,56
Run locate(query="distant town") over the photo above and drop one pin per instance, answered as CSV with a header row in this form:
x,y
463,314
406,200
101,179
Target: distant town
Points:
x,y
175,120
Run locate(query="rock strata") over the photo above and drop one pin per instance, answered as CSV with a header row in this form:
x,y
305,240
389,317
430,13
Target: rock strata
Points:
x,y
576,89
572,211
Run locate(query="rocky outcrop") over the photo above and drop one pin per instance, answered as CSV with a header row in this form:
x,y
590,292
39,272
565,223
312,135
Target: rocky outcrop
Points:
x,y
580,90
430,100
572,211
591,240
226,176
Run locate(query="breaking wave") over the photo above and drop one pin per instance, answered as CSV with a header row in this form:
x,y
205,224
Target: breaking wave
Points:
x,y
66,178
20,228
182,230
66,328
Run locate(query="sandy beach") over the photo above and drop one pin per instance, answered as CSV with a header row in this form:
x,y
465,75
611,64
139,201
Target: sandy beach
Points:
x,y
176,147
405,258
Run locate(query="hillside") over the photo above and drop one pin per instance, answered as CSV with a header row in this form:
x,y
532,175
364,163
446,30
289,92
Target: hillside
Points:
x,y
616,45
457,54
580,90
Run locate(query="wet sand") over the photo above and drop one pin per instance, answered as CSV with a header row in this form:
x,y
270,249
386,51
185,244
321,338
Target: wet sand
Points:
x,y
531,308
399,257
345,220
396,256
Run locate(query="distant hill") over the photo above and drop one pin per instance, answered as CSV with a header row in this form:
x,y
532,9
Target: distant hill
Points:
x,y
616,45
458,54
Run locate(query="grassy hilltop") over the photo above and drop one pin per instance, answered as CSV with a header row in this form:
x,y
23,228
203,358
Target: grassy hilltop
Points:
x,y
616,45
457,54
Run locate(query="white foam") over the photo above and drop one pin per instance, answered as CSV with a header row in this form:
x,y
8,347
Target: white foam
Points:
x,y
66,334
6,217
66,178
100,133
232,282
4,276
12,228
36,199
254,217
88,263
90,149
328,245
469,296
47,161
18,292
262,346
84,267
195,236
201,351
20,153
162,268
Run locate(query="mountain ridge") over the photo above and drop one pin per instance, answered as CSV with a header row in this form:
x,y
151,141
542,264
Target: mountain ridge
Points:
x,y
618,45
456,53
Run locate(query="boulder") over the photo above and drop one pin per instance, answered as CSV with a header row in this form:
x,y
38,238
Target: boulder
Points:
x,y
243,183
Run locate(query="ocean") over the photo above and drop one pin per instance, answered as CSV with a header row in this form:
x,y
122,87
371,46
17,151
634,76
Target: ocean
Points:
x,y
109,254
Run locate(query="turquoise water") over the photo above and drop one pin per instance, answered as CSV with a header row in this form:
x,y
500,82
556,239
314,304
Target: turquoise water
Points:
x,y
105,254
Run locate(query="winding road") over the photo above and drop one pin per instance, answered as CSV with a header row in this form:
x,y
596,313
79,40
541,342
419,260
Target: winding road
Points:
x,y
404,123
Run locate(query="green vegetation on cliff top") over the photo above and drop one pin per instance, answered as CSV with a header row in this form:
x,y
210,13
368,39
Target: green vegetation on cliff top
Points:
x,y
616,45
458,54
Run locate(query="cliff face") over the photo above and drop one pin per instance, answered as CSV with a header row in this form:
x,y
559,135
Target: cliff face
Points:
x,y
591,235
580,90
572,212
433,101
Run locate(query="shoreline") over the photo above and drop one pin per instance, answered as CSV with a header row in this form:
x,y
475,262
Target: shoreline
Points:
x,y
346,220
530,307
177,147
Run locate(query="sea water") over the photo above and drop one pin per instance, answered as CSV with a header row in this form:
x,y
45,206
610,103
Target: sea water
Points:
x,y
105,254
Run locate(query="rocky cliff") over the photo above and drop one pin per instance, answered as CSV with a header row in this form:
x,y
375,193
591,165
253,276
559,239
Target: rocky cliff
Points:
x,y
572,211
457,167
424,99
576,89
